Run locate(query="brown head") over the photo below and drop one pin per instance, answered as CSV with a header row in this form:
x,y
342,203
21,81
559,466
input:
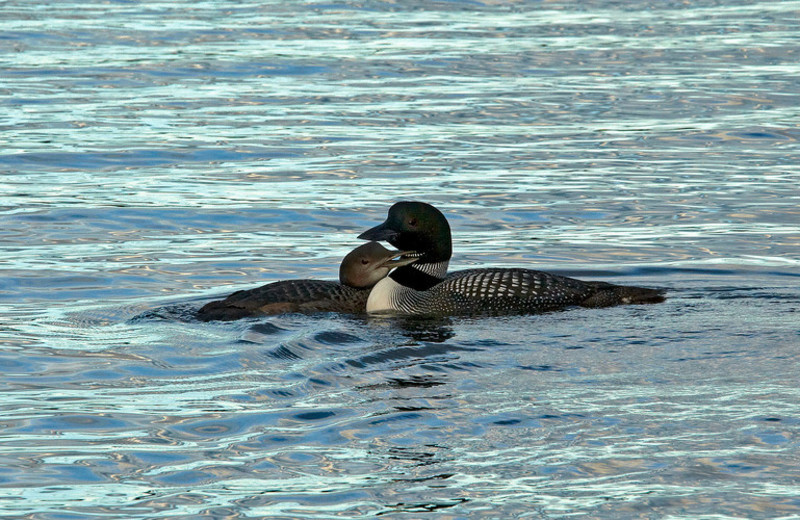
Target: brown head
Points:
x,y
368,264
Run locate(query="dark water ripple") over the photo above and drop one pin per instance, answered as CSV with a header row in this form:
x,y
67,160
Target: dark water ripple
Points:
x,y
156,155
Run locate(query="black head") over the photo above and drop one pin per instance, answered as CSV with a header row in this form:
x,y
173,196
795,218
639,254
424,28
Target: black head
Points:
x,y
415,226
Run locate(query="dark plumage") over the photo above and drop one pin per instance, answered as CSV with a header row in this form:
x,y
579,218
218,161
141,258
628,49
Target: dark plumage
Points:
x,y
287,296
511,290
361,269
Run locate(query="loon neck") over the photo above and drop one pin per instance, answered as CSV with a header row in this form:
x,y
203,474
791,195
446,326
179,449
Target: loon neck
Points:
x,y
420,277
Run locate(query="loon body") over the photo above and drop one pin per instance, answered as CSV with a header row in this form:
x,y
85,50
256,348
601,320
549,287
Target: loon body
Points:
x,y
361,269
425,288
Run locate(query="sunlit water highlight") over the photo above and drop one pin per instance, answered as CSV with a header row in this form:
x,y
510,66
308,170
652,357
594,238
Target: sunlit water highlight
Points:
x,y
163,153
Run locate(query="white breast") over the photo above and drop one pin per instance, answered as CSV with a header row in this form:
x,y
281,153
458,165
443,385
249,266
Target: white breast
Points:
x,y
383,296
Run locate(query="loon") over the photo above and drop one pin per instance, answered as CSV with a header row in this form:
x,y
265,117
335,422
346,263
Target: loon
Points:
x,y
361,269
425,288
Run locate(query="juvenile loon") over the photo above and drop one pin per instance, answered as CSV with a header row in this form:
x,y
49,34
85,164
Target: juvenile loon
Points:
x,y
425,288
361,269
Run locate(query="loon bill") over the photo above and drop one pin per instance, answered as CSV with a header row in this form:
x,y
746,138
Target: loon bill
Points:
x,y
360,270
425,288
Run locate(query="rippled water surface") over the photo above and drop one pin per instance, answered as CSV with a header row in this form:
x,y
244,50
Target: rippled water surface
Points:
x,y
160,153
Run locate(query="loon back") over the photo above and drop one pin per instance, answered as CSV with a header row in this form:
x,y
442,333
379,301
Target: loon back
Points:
x,y
497,291
359,271
425,288
287,296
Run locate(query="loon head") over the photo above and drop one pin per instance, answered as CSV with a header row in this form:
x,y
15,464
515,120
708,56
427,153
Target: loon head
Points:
x,y
415,226
368,264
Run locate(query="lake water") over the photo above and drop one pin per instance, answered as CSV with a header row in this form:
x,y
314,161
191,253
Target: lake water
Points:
x,y
158,153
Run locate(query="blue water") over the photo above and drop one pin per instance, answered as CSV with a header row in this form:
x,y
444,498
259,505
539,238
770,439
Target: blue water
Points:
x,y
160,153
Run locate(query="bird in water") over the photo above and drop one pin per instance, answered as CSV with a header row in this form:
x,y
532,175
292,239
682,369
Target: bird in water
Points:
x,y
425,288
360,270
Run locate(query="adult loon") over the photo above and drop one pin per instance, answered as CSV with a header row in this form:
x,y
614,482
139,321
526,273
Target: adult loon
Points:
x,y
425,288
361,269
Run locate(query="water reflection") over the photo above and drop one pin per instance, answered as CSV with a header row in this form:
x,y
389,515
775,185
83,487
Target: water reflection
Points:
x,y
418,329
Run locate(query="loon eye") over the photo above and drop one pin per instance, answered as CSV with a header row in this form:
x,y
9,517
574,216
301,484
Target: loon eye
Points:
x,y
364,261
412,222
